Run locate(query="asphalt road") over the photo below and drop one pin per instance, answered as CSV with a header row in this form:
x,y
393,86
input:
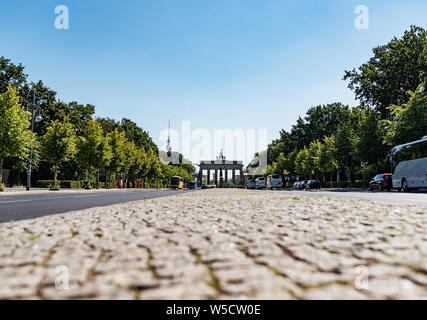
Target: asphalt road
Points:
x,y
33,205
28,206
392,197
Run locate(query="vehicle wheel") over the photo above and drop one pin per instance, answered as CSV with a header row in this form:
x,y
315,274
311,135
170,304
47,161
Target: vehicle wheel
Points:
x,y
380,188
404,186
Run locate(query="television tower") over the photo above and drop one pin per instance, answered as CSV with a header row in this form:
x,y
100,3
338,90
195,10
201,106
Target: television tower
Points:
x,y
168,146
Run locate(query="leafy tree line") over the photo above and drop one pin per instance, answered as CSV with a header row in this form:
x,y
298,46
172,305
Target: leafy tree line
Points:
x,y
70,143
334,139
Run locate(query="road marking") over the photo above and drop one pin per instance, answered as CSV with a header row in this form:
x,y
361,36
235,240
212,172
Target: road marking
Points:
x,y
89,196
15,201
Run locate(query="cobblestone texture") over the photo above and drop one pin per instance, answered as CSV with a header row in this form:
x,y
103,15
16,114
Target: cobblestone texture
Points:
x,y
220,244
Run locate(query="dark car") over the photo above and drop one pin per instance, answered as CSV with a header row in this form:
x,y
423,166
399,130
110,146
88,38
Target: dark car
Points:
x,y
303,184
204,186
381,182
312,184
229,185
251,184
192,185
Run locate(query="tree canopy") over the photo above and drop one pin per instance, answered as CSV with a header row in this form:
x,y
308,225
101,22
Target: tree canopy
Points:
x,y
15,135
11,74
58,144
409,120
395,69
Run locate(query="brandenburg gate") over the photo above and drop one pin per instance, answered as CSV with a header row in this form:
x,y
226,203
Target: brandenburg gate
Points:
x,y
221,168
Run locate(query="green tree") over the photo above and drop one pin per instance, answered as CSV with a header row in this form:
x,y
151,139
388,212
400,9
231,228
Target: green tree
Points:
x,y
154,165
11,74
15,135
313,157
409,120
319,121
93,149
80,115
301,161
117,140
395,69
58,144
130,149
345,147
326,157
109,125
136,134
137,164
369,139
50,108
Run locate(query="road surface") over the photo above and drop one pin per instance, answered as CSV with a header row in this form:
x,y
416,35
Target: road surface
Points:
x,y
33,205
220,244
393,197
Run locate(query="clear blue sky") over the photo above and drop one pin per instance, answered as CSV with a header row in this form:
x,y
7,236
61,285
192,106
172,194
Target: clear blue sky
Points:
x,y
220,64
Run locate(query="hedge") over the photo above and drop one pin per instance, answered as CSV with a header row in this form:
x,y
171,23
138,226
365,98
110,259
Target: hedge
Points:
x,y
67,184
345,184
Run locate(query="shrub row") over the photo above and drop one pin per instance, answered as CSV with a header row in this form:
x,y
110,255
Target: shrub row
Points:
x,y
67,184
345,184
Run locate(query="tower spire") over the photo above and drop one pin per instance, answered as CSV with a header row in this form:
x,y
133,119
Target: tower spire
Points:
x,y
168,146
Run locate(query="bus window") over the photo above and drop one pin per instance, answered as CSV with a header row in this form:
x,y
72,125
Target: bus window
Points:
x,y
409,165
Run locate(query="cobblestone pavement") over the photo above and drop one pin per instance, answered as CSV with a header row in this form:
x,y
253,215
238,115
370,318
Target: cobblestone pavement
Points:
x,y
220,244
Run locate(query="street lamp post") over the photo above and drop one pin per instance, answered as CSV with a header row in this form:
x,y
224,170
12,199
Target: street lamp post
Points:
x,y
363,173
34,109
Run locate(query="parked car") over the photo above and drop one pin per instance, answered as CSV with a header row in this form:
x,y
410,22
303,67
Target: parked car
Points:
x,y
300,185
313,184
251,184
204,186
303,184
274,181
381,182
211,186
229,185
297,185
192,185
260,183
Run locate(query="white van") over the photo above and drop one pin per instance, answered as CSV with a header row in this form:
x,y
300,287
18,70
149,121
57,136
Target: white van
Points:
x,y
260,183
274,181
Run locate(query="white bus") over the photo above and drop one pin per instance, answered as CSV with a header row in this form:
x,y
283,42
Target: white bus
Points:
x,y
409,165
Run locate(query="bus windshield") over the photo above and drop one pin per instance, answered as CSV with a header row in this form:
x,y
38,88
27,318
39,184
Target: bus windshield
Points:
x,y
411,151
175,181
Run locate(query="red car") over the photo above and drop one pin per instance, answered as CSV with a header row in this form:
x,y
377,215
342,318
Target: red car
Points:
x,y
381,182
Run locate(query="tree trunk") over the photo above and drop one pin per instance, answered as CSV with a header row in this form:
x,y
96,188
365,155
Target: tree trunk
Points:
x,y
338,177
55,173
1,170
97,179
